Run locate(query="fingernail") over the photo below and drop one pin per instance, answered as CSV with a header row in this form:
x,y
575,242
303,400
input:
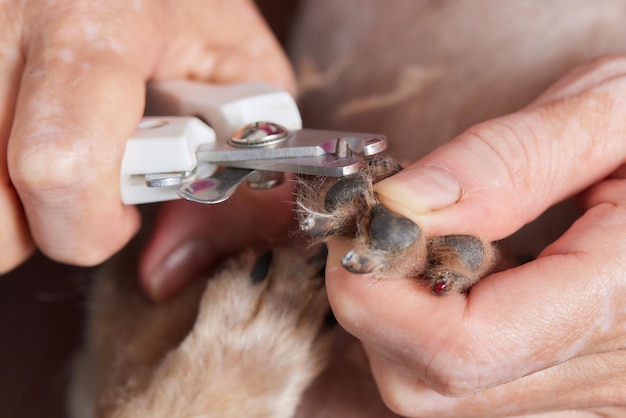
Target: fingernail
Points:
x,y
419,190
178,269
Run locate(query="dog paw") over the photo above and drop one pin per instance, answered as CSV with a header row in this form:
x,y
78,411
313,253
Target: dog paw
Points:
x,y
247,342
264,325
385,243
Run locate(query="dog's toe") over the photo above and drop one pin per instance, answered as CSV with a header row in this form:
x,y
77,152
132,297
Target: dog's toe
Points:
x,y
261,332
389,245
385,243
389,231
457,262
344,191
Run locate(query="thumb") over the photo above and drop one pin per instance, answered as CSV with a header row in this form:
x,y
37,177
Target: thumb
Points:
x,y
503,173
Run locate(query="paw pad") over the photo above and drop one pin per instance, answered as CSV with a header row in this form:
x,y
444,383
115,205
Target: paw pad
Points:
x,y
386,243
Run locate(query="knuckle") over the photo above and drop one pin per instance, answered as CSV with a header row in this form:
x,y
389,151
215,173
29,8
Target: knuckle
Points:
x,y
402,401
407,400
462,370
50,164
55,171
93,28
452,373
395,403
455,382
509,149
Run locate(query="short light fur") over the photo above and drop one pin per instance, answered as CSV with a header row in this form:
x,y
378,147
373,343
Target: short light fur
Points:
x,y
230,346
420,72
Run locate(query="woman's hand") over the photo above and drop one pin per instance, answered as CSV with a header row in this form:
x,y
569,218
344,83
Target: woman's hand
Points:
x,y
72,84
544,337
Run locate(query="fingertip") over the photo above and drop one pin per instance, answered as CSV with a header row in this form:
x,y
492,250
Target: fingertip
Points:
x,y
419,189
461,188
163,279
189,238
15,249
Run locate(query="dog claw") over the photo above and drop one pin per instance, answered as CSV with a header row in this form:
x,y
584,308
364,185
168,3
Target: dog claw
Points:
x,y
317,225
356,263
261,267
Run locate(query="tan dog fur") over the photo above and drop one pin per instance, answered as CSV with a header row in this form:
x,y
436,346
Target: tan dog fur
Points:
x,y
184,358
420,72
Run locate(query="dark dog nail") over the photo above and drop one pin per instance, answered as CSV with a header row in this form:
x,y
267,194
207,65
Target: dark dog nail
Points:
x,y
317,225
261,267
356,263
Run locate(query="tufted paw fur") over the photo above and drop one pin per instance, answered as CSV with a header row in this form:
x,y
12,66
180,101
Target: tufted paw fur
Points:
x,y
385,243
245,343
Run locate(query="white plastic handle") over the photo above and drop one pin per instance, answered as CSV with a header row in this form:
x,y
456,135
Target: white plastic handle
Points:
x,y
167,144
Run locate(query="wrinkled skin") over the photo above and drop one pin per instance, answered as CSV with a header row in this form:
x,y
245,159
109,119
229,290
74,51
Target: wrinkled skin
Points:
x,y
536,119
545,338
73,80
546,335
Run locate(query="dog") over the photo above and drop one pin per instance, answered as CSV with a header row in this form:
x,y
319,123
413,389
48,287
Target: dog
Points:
x,y
256,338
251,337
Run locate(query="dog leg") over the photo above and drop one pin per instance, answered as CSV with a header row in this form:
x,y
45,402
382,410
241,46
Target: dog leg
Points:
x,y
259,337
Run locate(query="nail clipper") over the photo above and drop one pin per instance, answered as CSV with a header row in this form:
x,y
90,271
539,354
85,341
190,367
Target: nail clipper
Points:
x,y
211,138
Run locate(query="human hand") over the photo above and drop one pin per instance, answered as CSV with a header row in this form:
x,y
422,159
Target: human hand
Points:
x,y
72,91
189,237
545,337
